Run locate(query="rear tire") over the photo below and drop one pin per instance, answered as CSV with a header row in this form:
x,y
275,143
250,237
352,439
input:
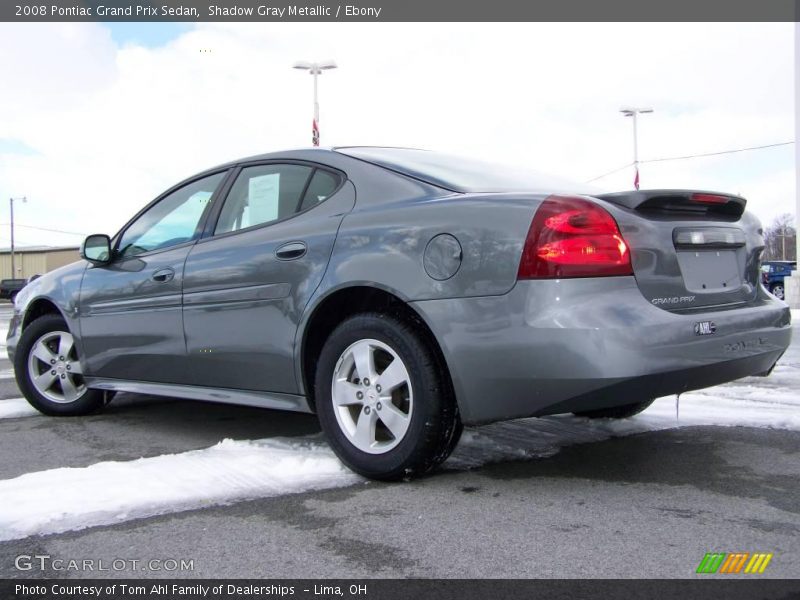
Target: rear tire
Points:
x,y
49,372
384,400
777,291
616,412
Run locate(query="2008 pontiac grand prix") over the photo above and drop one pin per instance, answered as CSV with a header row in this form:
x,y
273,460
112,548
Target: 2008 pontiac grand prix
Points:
x,y
401,294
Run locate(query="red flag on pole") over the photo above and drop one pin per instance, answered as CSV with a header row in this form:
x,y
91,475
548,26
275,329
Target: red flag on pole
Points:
x,y
315,134
636,179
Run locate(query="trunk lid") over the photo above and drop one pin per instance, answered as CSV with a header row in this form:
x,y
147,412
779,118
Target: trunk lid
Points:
x,y
690,250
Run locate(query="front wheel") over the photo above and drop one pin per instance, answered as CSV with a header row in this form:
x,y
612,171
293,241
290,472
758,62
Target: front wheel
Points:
x,y
777,291
384,400
616,412
48,370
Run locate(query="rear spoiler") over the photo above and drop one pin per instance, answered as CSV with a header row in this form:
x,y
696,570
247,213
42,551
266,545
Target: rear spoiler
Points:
x,y
683,202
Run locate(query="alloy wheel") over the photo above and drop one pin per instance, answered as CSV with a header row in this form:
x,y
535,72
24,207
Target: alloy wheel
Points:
x,y
372,396
54,368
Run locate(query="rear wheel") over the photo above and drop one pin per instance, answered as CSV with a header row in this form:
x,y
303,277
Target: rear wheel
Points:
x,y
383,399
777,291
48,370
616,412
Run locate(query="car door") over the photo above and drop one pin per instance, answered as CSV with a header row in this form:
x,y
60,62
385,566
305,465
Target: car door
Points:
x,y
130,309
247,283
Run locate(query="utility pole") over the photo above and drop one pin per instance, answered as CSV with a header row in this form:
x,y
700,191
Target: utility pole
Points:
x,y
11,207
634,113
315,69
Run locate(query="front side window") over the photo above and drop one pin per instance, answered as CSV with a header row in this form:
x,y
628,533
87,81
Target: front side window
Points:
x,y
172,221
263,194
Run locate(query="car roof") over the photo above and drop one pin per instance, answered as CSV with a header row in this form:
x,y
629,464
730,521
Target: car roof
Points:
x,y
306,152
440,170
461,173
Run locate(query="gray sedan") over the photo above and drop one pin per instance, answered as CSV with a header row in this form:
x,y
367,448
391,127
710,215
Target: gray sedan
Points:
x,y
401,294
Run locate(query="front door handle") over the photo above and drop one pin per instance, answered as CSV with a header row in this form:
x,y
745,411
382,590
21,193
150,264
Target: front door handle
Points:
x,y
291,251
163,275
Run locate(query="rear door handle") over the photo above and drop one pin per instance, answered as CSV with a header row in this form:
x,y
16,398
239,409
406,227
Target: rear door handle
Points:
x,y
163,275
291,251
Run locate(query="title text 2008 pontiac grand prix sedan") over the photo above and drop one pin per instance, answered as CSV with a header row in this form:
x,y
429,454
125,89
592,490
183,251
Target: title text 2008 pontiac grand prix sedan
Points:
x,y
400,294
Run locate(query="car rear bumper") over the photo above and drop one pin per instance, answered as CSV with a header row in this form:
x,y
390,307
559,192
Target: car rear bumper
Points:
x,y
553,346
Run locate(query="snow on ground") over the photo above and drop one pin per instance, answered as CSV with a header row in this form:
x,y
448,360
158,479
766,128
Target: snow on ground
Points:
x,y
231,471
13,408
110,492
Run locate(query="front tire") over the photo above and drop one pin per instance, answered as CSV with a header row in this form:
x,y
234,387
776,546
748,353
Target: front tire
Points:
x,y
777,291
48,370
384,400
616,412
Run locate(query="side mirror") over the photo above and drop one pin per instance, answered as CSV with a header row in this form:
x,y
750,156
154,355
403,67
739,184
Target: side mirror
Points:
x,y
97,249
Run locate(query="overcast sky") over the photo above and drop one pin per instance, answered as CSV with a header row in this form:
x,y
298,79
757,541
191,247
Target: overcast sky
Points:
x,y
97,119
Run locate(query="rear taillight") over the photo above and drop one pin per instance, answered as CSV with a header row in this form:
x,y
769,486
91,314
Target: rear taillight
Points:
x,y
573,237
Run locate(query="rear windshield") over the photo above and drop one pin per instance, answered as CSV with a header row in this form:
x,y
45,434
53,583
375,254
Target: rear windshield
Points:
x,y
464,174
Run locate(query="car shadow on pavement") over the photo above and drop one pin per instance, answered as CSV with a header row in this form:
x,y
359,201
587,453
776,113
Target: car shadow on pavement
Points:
x,y
209,420
137,426
734,461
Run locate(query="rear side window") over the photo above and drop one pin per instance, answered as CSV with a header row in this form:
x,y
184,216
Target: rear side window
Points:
x,y
262,194
322,185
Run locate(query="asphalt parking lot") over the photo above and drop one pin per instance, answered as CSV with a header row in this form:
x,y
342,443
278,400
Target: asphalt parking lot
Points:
x,y
649,504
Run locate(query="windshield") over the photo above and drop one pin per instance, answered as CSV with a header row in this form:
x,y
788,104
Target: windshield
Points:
x,y
462,174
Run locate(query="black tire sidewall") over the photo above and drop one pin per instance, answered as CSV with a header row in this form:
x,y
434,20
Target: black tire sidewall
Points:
x,y
417,451
90,402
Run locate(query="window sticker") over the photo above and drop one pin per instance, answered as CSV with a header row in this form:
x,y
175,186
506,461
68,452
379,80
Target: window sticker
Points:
x,y
264,198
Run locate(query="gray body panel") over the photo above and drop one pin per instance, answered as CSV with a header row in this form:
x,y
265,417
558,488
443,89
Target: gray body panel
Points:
x,y
385,246
59,288
556,346
730,274
230,326
193,392
242,304
132,326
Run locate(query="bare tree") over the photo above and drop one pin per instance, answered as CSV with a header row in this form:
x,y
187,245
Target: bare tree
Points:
x,y
780,239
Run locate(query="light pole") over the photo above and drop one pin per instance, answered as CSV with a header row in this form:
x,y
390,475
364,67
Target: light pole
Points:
x,y
11,206
315,69
633,113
